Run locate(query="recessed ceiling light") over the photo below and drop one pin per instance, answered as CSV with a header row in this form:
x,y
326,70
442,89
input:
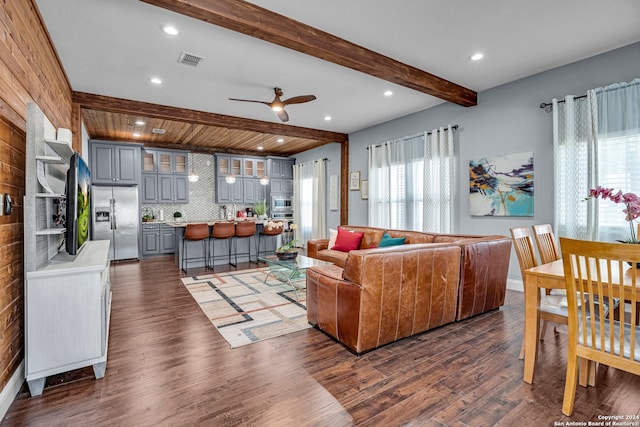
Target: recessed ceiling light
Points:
x,y
476,56
388,93
170,29
327,118
280,140
140,122
260,147
137,135
155,80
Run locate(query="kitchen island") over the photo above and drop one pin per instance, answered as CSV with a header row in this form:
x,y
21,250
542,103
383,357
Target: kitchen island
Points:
x,y
195,248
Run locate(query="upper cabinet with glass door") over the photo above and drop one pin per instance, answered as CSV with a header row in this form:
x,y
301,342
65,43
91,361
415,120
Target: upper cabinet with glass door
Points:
x,y
254,168
172,162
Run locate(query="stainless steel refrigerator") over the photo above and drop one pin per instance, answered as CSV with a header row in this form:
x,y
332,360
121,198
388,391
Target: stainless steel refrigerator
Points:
x,y
115,214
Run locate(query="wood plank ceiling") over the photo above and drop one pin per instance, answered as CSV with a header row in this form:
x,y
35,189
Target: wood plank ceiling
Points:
x,y
114,119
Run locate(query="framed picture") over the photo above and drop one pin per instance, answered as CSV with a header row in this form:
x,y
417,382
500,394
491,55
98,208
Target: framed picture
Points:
x,y
364,191
501,185
354,180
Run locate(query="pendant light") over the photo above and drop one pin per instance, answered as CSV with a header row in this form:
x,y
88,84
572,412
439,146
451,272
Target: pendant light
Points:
x,y
264,180
229,177
193,176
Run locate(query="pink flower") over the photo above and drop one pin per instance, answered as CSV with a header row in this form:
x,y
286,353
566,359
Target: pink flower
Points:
x,y
631,201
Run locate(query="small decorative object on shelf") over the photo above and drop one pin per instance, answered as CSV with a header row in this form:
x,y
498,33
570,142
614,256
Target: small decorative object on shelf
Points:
x,y
177,216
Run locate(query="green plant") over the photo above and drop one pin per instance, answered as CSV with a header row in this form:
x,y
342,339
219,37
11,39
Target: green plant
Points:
x,y
260,208
177,214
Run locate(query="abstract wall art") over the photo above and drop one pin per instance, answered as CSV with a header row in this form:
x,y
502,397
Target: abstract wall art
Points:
x,y
502,185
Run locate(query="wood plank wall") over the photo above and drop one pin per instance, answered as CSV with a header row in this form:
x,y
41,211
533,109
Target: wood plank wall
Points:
x,y
30,71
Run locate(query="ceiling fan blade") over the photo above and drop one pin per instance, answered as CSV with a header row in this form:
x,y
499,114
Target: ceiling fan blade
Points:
x,y
283,115
250,100
299,99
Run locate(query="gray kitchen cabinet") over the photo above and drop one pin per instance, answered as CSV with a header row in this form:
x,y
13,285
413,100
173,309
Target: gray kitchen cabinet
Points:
x,y
281,186
164,178
115,164
180,189
229,193
149,190
281,168
157,239
167,239
254,191
254,167
174,162
150,239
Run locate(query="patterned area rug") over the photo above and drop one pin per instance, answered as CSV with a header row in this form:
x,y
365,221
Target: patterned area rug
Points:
x,y
245,309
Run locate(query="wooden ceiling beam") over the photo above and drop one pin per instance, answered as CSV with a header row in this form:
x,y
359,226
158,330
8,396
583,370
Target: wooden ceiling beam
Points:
x,y
249,19
138,108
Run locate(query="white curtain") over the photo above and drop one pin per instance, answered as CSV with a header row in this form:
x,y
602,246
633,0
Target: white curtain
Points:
x,y
617,119
575,166
410,182
309,191
596,142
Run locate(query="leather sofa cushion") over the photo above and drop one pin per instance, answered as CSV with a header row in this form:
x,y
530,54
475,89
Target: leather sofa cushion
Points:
x,y
370,238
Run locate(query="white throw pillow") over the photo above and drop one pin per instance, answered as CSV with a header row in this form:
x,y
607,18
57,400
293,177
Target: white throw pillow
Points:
x,y
333,235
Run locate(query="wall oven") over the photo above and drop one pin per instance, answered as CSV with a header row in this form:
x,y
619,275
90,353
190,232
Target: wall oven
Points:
x,y
281,204
281,207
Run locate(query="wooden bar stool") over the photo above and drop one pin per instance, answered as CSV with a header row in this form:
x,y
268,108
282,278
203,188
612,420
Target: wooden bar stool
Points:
x,y
221,231
268,232
244,230
195,233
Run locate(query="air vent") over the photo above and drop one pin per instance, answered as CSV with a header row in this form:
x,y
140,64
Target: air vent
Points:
x,y
190,59
158,131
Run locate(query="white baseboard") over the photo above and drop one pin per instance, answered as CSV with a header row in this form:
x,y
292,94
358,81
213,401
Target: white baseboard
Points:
x,y
515,285
12,388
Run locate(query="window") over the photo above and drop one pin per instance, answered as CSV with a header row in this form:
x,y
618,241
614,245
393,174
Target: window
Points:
x,y
410,184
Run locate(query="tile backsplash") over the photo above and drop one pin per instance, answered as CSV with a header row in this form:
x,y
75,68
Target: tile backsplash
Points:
x,y
202,195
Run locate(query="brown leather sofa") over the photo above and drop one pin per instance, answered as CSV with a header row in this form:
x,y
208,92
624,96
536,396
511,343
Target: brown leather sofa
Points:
x,y
365,301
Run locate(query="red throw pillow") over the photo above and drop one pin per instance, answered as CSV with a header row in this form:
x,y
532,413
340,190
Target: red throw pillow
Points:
x,y
347,240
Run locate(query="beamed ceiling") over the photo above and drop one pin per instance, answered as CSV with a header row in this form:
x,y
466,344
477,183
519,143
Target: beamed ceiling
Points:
x,y
344,53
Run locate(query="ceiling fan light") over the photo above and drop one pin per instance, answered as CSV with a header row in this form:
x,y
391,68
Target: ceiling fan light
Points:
x,y
277,108
264,180
230,179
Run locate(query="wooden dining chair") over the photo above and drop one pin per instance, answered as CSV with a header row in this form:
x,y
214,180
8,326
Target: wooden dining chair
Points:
x,y
551,308
598,268
546,243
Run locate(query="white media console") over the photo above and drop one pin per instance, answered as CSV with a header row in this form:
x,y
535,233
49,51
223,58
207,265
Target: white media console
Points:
x,y
67,310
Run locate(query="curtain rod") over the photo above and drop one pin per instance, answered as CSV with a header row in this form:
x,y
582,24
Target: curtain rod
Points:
x,y
418,134
548,106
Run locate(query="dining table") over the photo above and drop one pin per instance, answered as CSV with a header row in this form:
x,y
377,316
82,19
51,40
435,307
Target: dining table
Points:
x,y
546,276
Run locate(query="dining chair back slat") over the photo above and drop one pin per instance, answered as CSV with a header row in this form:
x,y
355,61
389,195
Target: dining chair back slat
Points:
x,y
546,243
602,269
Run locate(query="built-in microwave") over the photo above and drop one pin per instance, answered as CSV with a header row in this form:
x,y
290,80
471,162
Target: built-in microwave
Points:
x,y
281,204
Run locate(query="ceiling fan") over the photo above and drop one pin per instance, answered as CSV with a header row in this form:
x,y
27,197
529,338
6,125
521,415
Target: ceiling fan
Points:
x,y
278,105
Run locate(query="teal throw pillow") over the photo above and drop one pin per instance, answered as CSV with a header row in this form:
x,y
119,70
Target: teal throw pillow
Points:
x,y
391,241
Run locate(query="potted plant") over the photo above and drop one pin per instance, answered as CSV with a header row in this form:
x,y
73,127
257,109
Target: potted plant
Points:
x,y
177,216
260,209
289,250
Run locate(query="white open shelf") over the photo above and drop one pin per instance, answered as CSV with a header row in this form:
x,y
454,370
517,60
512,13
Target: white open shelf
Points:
x,y
50,231
49,195
62,148
52,159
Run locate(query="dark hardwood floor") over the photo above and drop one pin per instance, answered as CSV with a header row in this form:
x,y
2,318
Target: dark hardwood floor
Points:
x,y
168,366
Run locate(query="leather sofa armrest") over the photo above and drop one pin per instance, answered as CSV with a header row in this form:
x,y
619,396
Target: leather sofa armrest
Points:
x,y
313,246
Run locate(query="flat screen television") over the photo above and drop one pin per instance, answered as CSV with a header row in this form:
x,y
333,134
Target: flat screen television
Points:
x,y
78,204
